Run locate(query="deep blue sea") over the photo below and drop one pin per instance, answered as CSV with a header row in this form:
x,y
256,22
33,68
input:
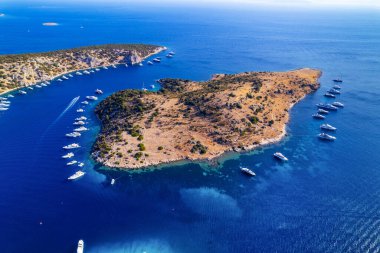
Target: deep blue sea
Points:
x,y
325,199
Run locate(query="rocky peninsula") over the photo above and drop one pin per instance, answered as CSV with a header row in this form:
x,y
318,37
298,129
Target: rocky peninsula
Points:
x,y
187,120
21,70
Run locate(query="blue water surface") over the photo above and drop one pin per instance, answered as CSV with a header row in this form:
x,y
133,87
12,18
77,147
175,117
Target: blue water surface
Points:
x,y
325,199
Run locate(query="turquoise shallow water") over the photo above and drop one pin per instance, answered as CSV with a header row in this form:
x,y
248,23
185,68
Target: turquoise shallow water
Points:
x,y
324,200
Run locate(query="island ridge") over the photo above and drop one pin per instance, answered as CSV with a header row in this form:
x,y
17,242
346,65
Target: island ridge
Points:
x,y
21,70
187,120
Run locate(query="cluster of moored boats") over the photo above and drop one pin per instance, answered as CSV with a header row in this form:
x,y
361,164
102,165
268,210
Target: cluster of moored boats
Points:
x,y
323,110
5,103
326,108
79,124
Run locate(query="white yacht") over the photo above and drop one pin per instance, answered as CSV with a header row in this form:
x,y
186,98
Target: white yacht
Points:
x,y
126,65
73,134
329,95
248,172
4,109
97,91
318,116
172,53
80,110
326,137
150,63
70,75
29,88
81,165
22,92
47,82
169,55
3,99
86,72
65,77
84,102
113,66
92,98
72,162
329,107
59,80
81,118
158,60
152,86
92,71
77,175
334,91
280,156
45,85
80,123
338,104
38,86
105,67
80,247
97,69
71,146
80,129
3,104
328,127
140,64
321,111
68,155
78,73
11,96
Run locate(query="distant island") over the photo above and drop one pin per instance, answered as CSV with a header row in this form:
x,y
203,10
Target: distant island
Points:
x,y
187,120
21,70
50,24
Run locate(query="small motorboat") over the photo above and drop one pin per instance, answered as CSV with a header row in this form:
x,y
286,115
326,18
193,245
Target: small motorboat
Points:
x,y
328,127
248,172
280,156
318,116
324,136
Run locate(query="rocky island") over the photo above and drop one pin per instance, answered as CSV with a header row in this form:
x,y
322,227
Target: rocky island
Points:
x,y
187,120
21,70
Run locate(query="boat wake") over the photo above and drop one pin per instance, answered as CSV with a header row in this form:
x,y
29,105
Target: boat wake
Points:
x,y
72,103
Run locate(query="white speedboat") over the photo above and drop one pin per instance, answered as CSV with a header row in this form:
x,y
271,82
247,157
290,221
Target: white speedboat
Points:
x,y
77,175
29,88
81,118
326,137
318,116
338,104
45,85
86,72
73,134
329,107
92,71
84,102
328,127
80,110
113,66
321,111
280,156
105,67
72,162
329,95
22,92
248,172
97,91
59,80
81,165
80,129
68,155
78,73
126,65
92,98
79,123
72,146
38,86
140,64
11,96
150,63
47,82
112,181
65,77
97,69
70,75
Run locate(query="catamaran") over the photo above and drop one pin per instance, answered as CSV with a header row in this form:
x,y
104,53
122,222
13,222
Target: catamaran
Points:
x,y
280,156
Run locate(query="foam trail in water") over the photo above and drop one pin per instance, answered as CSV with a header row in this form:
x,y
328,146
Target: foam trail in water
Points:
x,y
72,103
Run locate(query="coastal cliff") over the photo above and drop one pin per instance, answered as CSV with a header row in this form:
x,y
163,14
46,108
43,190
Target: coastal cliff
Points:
x,y
188,120
21,70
